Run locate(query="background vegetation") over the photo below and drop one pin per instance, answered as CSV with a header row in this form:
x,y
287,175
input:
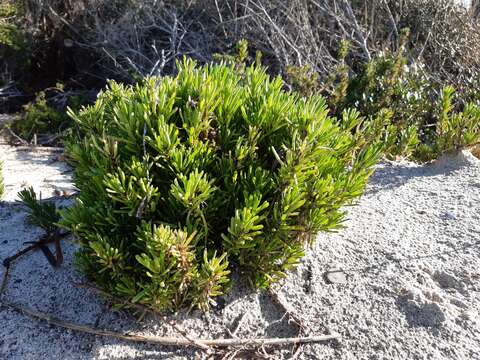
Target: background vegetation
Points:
x,y
391,60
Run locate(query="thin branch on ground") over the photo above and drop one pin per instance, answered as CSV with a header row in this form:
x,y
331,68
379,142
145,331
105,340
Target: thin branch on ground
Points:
x,y
167,341
204,344
143,309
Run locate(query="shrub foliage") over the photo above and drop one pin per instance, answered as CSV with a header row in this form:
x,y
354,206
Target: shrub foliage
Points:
x,y
184,179
39,118
43,214
412,116
45,118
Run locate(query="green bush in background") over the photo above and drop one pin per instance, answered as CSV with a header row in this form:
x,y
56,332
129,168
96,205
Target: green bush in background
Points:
x,y
412,116
39,118
46,121
185,179
14,42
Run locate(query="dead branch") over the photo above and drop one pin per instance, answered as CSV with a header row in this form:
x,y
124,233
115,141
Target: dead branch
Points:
x,y
143,309
42,244
185,341
361,39
167,341
146,37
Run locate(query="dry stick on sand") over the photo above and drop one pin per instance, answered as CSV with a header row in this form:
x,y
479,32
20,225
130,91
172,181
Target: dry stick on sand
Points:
x,y
41,244
166,341
143,309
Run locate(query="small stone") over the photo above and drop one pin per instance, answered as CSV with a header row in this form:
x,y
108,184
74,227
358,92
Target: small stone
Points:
x,y
448,216
336,276
421,279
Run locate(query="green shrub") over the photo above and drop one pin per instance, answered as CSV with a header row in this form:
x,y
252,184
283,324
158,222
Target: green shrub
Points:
x,y
401,107
10,35
303,79
183,180
41,118
454,129
14,42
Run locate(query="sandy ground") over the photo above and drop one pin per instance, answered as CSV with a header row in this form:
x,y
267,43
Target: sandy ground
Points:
x,y
410,252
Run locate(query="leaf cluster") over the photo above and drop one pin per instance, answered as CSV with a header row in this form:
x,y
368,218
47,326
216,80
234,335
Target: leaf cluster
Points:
x,y
185,179
40,213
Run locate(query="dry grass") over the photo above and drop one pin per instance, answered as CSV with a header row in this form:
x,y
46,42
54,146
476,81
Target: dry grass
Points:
x,y
134,38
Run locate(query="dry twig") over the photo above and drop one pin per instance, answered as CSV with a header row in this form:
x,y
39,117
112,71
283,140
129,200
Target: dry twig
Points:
x,y
185,341
167,341
144,309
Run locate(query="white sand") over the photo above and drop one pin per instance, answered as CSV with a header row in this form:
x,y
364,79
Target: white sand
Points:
x,y
410,250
